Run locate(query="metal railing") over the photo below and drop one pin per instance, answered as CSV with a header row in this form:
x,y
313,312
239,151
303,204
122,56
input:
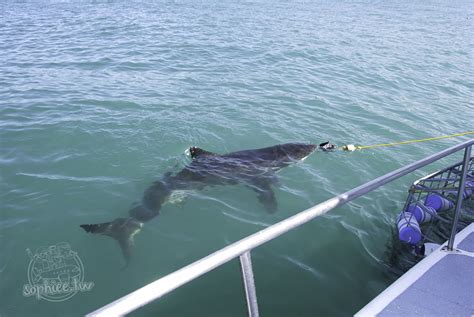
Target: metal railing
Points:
x,y
243,247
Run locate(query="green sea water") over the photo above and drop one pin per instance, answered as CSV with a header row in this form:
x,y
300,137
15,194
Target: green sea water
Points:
x,y
99,99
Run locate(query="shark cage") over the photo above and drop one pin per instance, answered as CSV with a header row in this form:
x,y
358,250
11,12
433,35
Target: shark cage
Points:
x,y
427,216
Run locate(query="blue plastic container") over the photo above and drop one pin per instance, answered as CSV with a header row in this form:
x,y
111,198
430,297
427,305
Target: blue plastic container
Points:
x,y
408,228
438,203
465,194
422,214
470,190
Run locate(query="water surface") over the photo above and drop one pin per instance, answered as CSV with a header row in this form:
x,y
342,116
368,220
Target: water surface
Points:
x,y
99,99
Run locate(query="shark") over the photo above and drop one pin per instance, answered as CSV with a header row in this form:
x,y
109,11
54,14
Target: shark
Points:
x,y
253,168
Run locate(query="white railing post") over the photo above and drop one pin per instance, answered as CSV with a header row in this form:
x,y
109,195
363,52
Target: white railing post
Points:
x,y
249,284
462,183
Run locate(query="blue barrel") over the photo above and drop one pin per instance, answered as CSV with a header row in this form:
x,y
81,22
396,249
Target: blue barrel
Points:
x,y
422,214
465,194
438,203
408,228
469,190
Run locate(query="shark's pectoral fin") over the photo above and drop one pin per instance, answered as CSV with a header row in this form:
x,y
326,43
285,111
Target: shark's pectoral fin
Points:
x,y
121,229
267,198
265,195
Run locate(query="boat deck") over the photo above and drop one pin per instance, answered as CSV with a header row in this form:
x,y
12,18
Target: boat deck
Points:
x,y
442,284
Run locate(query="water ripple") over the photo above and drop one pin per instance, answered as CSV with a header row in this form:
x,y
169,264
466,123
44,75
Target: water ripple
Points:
x,y
74,178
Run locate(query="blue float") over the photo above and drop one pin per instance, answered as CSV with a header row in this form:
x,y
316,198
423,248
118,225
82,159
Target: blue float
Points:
x,y
422,213
408,228
438,203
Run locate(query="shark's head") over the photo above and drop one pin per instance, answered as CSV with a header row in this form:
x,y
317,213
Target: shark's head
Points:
x,y
297,151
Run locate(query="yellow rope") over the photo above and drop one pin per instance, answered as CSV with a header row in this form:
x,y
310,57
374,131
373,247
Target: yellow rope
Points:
x,y
351,147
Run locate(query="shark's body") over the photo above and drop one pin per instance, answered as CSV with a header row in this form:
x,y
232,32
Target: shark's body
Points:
x,y
253,168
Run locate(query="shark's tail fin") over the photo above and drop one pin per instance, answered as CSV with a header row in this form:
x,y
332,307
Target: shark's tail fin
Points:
x,y
121,229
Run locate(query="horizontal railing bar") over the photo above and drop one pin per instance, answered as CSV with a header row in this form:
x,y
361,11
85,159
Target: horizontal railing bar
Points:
x,y
190,272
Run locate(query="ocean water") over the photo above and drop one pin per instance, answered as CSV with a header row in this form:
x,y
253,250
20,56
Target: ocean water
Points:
x,y
98,99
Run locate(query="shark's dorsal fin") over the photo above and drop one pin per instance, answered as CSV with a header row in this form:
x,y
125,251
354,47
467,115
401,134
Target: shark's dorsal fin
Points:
x,y
196,152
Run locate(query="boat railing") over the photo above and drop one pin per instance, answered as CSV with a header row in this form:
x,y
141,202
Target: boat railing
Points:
x,y
243,247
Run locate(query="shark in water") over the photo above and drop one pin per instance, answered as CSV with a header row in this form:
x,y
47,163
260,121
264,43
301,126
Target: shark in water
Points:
x,y
252,168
